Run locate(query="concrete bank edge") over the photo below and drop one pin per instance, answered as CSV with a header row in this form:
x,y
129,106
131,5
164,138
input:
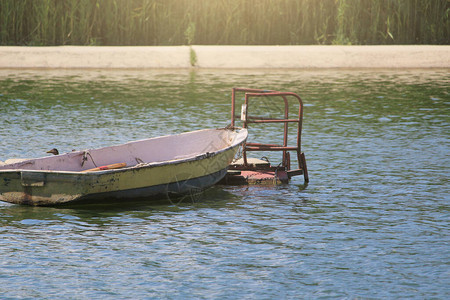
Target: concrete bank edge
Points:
x,y
224,57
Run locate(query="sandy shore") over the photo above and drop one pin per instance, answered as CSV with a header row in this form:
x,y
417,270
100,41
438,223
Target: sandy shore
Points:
x,y
226,57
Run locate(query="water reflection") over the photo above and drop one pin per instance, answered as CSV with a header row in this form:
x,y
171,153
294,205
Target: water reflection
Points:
x,y
373,221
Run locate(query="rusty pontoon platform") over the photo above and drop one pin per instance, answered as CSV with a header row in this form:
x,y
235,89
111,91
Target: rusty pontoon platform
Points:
x,y
247,170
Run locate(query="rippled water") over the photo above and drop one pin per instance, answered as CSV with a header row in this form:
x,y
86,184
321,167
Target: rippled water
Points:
x,y
372,223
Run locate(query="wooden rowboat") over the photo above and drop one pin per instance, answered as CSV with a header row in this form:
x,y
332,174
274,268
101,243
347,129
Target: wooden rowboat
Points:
x,y
156,167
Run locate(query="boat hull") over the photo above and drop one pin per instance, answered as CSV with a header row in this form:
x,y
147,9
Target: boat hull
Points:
x,y
170,191
160,179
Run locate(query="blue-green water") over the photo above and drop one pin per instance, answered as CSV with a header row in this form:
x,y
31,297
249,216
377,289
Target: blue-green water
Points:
x,y
372,223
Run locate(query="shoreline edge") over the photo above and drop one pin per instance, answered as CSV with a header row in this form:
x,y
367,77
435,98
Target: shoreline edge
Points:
x,y
225,57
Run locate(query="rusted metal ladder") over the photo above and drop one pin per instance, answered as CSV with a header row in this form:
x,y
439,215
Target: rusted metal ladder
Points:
x,y
252,95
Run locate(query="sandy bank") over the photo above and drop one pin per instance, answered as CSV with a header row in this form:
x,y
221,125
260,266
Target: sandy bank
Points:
x,y
227,57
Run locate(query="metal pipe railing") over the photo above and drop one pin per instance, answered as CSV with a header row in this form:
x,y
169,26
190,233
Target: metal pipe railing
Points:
x,y
246,119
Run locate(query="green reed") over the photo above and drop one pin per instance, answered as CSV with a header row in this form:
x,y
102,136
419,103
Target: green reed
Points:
x,y
226,22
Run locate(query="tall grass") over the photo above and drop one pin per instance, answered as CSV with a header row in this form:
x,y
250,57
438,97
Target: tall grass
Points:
x,y
226,22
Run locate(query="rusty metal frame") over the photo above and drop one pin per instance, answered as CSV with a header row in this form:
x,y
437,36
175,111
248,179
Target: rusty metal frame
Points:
x,y
257,93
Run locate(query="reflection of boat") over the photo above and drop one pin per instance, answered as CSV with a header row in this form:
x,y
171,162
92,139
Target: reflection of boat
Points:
x,y
155,167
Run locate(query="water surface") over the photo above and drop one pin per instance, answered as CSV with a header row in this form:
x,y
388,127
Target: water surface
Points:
x,y
372,223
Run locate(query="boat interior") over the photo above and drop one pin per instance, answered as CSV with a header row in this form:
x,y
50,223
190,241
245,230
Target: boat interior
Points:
x,y
148,151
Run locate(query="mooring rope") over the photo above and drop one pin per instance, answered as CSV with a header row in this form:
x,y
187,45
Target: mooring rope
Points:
x,y
84,159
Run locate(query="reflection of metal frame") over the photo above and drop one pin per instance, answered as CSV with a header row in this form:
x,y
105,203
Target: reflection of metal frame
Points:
x,y
250,96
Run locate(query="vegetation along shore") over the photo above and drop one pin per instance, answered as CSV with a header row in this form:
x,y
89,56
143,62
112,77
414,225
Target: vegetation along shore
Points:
x,y
231,22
